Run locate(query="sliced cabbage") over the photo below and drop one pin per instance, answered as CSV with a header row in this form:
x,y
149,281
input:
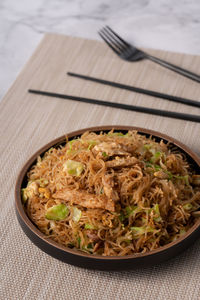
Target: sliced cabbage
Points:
x,y
24,195
57,212
76,214
91,144
138,231
43,182
70,146
73,167
185,178
30,191
156,211
156,156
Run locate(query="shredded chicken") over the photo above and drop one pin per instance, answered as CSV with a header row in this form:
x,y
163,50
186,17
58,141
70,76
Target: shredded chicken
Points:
x,y
121,162
161,175
85,199
108,187
109,149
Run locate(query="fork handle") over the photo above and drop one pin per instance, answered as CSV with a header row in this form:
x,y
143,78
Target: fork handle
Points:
x,y
174,68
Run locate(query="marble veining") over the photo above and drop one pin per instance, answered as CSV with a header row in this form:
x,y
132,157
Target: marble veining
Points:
x,y
161,24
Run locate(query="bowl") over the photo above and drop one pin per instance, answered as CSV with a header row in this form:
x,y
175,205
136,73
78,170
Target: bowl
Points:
x,y
91,261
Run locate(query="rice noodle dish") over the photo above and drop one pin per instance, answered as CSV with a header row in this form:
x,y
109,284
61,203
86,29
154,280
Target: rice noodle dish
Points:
x,y
112,194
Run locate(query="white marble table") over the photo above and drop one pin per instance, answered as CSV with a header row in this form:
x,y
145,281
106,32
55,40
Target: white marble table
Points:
x,y
162,24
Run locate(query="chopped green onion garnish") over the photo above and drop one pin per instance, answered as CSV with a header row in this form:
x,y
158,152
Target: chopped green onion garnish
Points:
x,y
79,241
153,166
132,210
101,191
121,217
90,246
104,154
170,175
149,165
157,167
89,226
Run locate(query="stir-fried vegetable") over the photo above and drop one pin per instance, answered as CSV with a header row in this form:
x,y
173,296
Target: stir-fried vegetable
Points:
x,y
156,213
91,144
76,214
43,182
184,178
188,206
104,154
57,212
74,168
29,191
132,210
138,231
156,156
24,195
89,226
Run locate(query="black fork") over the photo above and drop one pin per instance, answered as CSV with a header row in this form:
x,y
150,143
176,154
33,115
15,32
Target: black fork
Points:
x,y
128,52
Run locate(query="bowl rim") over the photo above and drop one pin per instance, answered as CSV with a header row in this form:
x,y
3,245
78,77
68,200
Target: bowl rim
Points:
x,y
34,230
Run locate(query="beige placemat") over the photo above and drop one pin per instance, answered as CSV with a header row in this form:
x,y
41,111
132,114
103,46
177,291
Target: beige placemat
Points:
x,y
29,121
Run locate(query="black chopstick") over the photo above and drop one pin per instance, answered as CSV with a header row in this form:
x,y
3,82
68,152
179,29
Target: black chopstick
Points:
x,y
152,111
138,90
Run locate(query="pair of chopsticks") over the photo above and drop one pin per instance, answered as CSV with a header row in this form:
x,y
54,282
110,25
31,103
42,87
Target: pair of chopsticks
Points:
x,y
165,113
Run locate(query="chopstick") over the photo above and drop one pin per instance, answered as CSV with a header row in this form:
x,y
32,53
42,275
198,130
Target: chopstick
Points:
x,y
138,90
152,111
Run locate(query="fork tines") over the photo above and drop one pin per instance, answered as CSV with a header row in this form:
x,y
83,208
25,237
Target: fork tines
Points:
x,y
113,40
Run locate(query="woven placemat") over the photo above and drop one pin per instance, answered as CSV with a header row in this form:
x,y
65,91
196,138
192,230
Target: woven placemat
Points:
x,y
29,121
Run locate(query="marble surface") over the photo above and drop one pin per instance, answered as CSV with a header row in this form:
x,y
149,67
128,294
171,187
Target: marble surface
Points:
x,y
161,24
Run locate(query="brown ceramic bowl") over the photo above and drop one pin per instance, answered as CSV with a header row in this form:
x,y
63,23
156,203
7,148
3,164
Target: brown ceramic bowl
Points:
x,y
85,260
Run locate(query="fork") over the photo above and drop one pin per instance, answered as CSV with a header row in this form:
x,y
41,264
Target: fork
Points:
x,y
129,52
